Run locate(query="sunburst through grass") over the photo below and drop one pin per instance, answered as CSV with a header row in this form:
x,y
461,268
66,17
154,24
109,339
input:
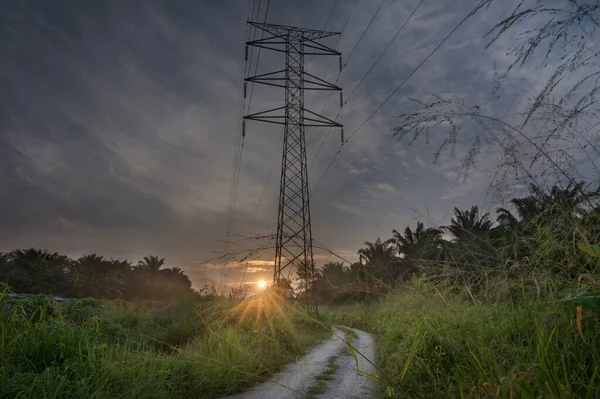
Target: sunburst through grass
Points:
x,y
269,307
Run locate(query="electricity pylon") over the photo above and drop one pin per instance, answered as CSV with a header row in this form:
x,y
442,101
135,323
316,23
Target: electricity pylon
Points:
x,y
294,234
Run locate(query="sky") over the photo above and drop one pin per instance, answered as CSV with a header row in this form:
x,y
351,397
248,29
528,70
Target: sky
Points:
x,y
118,124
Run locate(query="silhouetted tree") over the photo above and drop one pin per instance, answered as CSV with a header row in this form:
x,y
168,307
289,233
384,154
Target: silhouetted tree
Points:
x,y
418,244
41,272
378,260
468,224
151,263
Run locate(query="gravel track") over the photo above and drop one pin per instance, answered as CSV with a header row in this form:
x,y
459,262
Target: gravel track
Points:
x,y
296,379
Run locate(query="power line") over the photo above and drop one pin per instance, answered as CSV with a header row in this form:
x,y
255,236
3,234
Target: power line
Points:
x,y
255,71
330,14
337,79
364,33
238,138
239,145
473,11
256,66
368,72
325,26
384,50
239,164
250,99
259,50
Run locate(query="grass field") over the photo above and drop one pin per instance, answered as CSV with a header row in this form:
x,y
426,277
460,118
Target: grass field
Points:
x,y
197,348
432,344
432,341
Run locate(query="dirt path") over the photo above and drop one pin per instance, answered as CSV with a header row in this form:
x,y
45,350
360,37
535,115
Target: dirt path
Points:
x,y
328,371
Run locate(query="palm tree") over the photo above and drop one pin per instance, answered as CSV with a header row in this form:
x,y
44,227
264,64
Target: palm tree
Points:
x,y
151,263
468,224
547,206
332,274
506,219
570,201
528,209
305,275
5,270
376,252
88,276
177,270
379,257
38,271
171,283
417,244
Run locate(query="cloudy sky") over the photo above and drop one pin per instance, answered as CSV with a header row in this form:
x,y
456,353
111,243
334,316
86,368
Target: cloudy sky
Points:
x,y
118,122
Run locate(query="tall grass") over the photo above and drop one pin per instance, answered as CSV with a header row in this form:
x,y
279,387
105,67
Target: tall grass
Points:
x,y
194,348
431,344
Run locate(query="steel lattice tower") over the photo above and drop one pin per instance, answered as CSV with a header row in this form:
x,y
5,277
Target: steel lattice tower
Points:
x,y
294,235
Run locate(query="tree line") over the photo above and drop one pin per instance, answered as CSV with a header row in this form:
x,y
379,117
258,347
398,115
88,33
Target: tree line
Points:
x,y
546,231
35,271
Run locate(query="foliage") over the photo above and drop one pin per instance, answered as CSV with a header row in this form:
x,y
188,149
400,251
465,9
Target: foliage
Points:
x,y
434,344
35,271
423,243
548,233
194,347
468,223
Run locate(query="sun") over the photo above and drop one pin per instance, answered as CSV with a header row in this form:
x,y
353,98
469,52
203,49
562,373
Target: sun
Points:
x,y
262,284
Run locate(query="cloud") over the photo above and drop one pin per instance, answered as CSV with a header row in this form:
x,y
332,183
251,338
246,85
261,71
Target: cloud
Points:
x,y
386,187
118,126
254,269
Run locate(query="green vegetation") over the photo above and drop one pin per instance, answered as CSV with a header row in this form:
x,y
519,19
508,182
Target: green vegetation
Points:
x,y
508,310
451,345
546,240
34,271
199,347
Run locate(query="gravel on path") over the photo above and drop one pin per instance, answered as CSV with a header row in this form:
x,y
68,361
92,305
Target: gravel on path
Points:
x,y
295,380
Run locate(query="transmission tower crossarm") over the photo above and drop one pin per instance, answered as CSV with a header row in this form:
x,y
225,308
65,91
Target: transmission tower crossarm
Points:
x,y
272,79
262,75
279,40
283,30
268,43
324,122
322,84
265,116
325,50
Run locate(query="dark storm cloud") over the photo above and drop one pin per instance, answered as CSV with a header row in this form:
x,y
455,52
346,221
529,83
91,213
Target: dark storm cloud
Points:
x,y
117,123
107,115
